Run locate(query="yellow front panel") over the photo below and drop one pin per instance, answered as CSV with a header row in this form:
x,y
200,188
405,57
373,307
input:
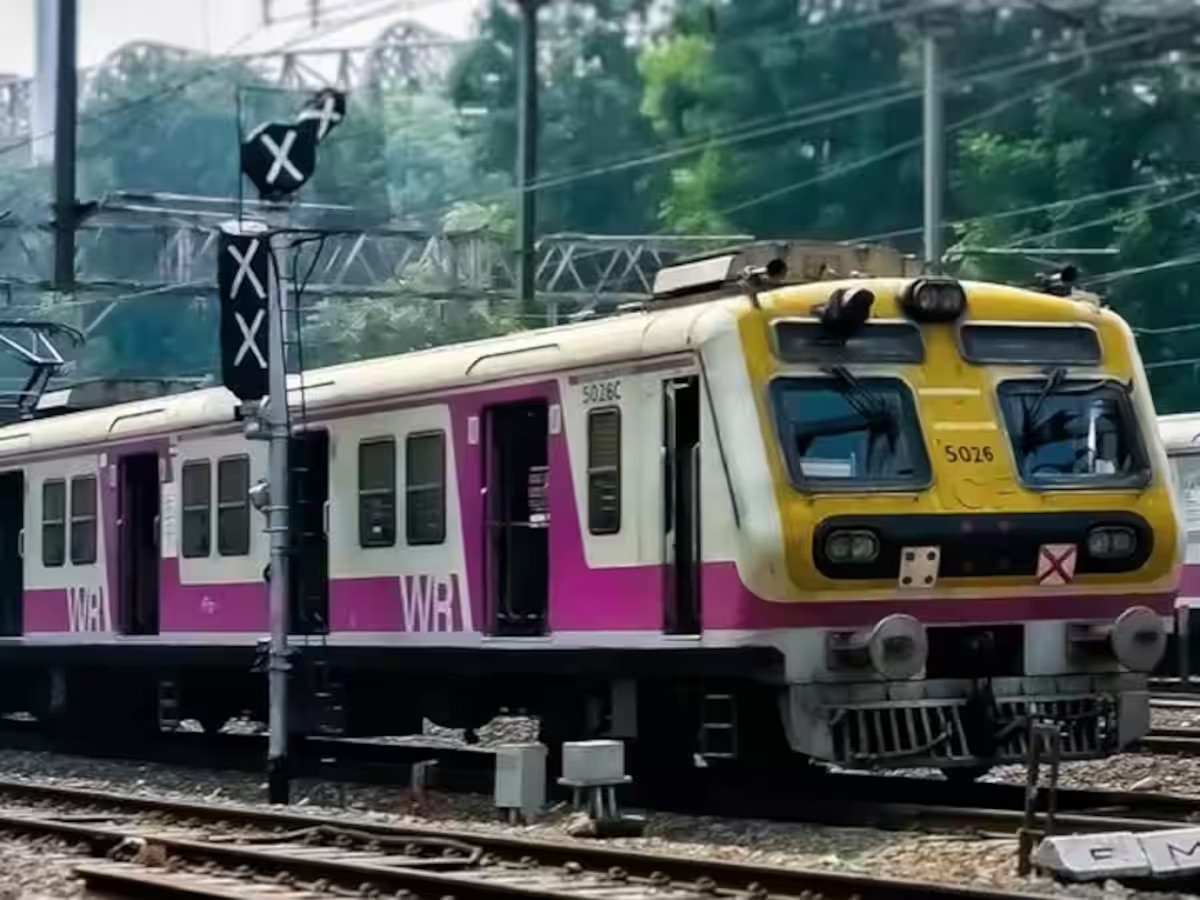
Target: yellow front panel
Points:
x,y
973,466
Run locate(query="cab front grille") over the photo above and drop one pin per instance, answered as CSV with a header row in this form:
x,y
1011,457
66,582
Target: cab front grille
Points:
x,y
932,732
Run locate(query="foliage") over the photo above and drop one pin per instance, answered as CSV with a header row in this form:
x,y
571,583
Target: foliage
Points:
x,y
160,122
1125,135
1068,128
342,330
590,94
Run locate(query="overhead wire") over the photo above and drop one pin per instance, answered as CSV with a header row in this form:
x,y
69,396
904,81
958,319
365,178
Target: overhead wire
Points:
x,y
871,100
212,71
896,149
1031,210
902,147
738,135
1106,219
851,110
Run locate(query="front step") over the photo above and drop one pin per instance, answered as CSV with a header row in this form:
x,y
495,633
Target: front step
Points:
x,y
718,726
168,706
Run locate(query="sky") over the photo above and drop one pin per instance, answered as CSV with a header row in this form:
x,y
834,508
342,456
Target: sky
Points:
x,y
222,25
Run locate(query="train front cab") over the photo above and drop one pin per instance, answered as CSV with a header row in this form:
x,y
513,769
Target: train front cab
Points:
x,y
970,489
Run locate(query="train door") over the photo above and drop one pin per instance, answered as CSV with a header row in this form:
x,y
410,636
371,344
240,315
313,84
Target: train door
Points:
x,y
518,518
140,495
308,490
12,526
681,506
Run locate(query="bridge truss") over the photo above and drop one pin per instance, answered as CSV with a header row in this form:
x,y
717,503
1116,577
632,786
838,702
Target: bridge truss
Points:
x,y
405,56
141,244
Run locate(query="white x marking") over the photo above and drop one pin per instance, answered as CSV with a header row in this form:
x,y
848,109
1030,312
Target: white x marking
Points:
x,y
248,333
327,115
244,271
281,156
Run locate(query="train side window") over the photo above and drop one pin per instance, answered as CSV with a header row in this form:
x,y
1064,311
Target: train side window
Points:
x,y
233,506
197,508
604,471
425,488
377,492
83,520
54,523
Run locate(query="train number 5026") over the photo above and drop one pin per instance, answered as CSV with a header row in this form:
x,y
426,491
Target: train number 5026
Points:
x,y
968,453
602,392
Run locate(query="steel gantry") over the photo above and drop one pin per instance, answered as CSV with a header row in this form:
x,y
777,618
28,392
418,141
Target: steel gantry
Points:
x,y
163,243
405,55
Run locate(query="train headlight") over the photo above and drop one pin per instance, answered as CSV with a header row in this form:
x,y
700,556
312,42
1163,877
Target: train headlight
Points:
x,y
842,547
1138,639
1111,542
934,299
898,647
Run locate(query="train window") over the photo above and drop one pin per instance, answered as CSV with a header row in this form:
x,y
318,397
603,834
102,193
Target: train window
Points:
x,y
604,471
377,493
83,520
844,432
1062,345
54,523
808,342
197,508
1073,433
1185,472
233,506
425,488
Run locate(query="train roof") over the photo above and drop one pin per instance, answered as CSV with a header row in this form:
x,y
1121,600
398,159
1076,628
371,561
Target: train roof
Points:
x,y
653,331
632,335
1180,431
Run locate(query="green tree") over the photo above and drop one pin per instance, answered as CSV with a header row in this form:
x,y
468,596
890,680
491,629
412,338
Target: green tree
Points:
x,y
344,329
1126,137
590,91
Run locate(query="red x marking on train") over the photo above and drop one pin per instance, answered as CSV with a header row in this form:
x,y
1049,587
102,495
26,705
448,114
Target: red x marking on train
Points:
x,y
1056,563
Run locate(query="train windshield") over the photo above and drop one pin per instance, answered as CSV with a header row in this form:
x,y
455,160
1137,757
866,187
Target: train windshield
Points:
x,y
1077,433
845,432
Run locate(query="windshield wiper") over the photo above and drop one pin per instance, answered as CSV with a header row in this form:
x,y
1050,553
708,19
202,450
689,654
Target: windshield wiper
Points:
x,y
1053,383
873,408
869,409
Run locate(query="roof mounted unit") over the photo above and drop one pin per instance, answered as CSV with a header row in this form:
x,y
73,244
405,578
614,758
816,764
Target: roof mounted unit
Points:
x,y
96,393
791,262
691,277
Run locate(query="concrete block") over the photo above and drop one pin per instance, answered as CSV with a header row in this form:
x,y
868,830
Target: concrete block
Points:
x,y
1172,852
1092,857
593,762
521,777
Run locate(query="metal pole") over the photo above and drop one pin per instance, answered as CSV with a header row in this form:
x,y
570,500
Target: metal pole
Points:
x,y
64,146
935,161
278,774
527,117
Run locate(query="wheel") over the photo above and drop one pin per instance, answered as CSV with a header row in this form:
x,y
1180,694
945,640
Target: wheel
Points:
x,y
965,774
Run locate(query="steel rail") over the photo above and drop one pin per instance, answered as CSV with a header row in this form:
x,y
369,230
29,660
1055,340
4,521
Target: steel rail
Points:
x,y
511,868
1084,811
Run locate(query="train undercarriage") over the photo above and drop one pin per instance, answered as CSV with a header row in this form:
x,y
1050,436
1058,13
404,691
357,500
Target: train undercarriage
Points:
x,y
730,707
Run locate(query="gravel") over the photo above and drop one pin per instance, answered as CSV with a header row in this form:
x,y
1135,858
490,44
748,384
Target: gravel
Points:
x,y
963,858
1175,716
979,860
37,869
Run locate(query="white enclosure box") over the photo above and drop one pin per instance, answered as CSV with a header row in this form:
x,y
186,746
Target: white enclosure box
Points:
x,y
593,762
521,777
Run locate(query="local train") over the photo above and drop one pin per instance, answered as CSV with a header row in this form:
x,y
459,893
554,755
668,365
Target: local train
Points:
x,y
1180,435
765,514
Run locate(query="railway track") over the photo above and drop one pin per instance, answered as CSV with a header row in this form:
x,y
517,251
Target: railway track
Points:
x,y
1181,741
161,848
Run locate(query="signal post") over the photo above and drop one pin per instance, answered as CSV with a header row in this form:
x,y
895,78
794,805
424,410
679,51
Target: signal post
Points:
x,y
279,158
